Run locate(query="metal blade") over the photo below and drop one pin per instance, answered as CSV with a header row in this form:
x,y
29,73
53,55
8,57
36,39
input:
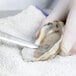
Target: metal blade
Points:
x,y
9,38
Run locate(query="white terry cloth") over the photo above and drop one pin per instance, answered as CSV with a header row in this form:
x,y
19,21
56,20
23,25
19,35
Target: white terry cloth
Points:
x,y
24,24
11,62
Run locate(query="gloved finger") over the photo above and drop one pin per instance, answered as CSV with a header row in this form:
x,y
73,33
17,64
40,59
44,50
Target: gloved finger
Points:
x,y
58,13
69,36
73,50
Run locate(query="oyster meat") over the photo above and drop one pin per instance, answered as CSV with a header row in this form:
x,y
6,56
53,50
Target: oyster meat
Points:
x,y
48,38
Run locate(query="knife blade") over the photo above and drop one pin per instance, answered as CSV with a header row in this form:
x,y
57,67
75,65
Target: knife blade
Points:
x,y
15,40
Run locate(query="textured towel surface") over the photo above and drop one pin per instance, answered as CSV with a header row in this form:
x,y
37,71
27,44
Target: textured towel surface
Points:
x,y
11,62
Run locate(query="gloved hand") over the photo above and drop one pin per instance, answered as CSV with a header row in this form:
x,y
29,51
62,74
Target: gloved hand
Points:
x,y
65,9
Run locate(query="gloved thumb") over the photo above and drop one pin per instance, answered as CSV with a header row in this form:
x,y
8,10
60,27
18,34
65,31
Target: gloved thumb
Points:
x,y
68,41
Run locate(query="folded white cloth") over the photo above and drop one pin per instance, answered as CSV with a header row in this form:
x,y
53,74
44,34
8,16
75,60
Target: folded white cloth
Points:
x,y
25,25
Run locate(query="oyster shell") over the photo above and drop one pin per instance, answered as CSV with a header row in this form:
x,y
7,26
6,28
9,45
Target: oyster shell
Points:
x,y
48,38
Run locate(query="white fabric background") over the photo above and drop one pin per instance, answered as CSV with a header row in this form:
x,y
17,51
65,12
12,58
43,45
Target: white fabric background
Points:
x,y
12,7
21,4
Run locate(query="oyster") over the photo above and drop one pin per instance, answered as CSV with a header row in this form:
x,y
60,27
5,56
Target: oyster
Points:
x,y
48,38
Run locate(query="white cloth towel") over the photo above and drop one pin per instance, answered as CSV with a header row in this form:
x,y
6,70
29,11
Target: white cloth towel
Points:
x,y
25,25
